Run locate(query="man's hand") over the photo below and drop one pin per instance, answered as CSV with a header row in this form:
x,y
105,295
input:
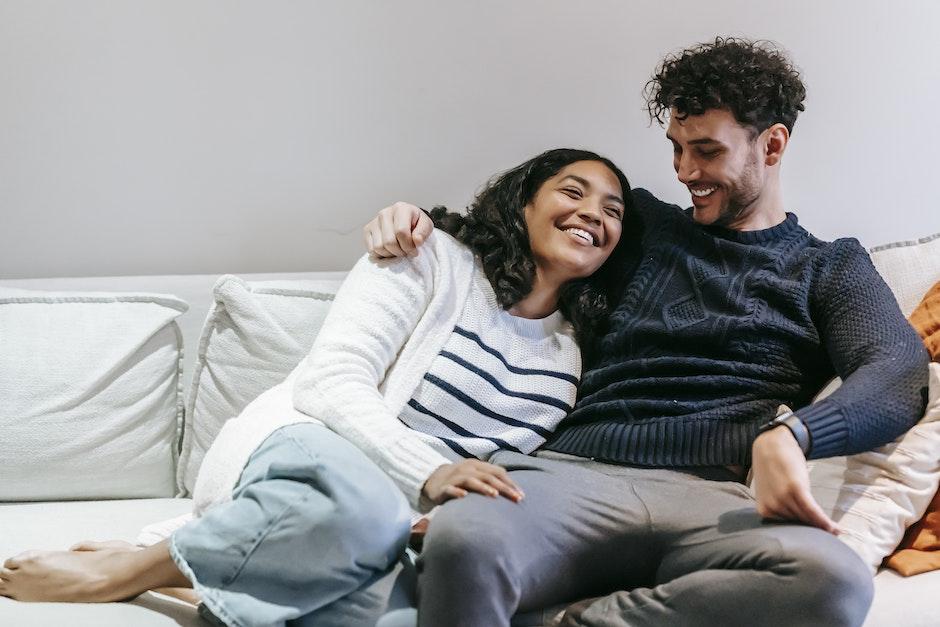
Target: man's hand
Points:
x,y
397,231
781,481
454,481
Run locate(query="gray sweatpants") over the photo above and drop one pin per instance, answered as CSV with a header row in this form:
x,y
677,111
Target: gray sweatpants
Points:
x,y
659,546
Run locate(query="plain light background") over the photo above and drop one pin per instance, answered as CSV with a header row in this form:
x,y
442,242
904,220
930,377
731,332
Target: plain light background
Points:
x,y
210,136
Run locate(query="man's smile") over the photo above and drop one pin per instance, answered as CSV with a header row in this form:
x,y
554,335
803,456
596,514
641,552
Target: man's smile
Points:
x,y
702,192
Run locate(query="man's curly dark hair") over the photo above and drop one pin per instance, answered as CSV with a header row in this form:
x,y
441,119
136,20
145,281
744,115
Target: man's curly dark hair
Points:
x,y
494,228
753,79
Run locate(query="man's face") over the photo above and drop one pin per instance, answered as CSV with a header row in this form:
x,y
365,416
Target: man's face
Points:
x,y
721,162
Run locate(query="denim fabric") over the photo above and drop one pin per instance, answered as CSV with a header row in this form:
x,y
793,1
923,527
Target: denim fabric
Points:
x,y
312,524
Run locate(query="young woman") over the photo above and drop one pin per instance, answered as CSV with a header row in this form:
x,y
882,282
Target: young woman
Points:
x,y
425,366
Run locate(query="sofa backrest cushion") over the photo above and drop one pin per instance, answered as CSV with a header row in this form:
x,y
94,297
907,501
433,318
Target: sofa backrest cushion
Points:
x,y
90,395
876,495
254,335
909,268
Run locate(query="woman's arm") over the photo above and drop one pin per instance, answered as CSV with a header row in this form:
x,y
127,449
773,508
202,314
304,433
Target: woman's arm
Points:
x,y
375,312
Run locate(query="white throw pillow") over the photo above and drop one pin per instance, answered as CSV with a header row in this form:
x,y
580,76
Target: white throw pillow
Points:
x,y
90,395
909,268
255,334
876,496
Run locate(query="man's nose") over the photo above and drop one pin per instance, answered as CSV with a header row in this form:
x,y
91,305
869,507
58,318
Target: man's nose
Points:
x,y
686,169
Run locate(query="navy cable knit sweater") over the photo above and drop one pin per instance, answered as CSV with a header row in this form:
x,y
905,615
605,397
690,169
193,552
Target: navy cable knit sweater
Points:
x,y
716,328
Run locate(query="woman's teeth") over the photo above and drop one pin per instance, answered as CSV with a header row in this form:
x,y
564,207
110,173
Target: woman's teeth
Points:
x,y
701,193
582,234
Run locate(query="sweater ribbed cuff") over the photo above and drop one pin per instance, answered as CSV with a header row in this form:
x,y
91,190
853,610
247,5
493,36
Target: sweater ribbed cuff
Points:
x,y
413,461
827,429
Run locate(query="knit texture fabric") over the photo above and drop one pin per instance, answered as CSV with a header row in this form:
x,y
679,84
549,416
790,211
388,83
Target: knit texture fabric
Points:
x,y
388,322
716,328
500,382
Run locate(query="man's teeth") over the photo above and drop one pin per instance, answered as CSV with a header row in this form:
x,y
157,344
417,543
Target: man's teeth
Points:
x,y
582,234
701,193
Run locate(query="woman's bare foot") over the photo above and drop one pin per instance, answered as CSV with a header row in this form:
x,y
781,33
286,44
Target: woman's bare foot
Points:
x,y
107,545
187,595
89,576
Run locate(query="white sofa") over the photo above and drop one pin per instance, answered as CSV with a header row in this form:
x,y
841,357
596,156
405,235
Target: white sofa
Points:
x,y
56,524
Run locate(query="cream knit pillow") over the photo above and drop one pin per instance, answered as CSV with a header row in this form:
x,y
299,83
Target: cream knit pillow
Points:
x,y
909,268
255,334
876,496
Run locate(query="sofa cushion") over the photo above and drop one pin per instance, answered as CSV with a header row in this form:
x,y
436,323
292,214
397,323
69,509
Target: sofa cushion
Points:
x,y
59,525
909,268
90,401
926,321
874,496
255,334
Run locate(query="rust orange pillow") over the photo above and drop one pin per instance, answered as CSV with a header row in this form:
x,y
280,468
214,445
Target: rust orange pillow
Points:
x,y
926,319
919,551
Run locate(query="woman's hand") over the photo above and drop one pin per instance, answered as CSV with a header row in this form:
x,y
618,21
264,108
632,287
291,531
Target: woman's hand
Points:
x,y
454,481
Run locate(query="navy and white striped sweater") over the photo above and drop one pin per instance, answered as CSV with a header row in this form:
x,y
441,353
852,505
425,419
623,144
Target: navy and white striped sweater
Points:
x,y
500,381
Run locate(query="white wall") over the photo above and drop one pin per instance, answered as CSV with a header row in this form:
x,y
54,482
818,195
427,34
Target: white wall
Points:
x,y
204,136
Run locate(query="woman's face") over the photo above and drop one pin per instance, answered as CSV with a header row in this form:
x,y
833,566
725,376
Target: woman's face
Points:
x,y
574,221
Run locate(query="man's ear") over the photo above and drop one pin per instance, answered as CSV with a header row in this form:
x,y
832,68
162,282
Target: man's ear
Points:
x,y
775,139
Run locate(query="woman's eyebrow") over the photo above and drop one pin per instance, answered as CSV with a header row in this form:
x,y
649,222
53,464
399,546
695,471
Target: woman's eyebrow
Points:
x,y
585,182
577,178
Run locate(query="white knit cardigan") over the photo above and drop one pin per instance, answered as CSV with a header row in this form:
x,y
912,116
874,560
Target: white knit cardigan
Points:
x,y
389,320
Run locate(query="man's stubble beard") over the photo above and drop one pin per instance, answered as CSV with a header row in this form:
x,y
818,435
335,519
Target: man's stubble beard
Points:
x,y
741,201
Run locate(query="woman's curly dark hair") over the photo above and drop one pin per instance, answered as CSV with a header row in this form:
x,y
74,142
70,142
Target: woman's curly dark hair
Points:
x,y
494,228
753,79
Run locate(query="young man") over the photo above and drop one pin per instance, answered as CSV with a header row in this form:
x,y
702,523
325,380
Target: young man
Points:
x,y
733,310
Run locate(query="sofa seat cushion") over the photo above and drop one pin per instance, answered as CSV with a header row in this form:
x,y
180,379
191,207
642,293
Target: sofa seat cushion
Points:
x,y
58,525
908,601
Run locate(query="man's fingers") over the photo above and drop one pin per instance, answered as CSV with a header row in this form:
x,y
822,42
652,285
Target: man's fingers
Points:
x,y
813,514
800,507
368,238
372,234
389,241
397,231
778,509
423,228
401,223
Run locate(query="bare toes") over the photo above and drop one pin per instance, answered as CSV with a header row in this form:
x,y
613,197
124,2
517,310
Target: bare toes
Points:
x,y
18,560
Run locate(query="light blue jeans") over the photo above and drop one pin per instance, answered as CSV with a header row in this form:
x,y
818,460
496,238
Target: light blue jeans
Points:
x,y
313,523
